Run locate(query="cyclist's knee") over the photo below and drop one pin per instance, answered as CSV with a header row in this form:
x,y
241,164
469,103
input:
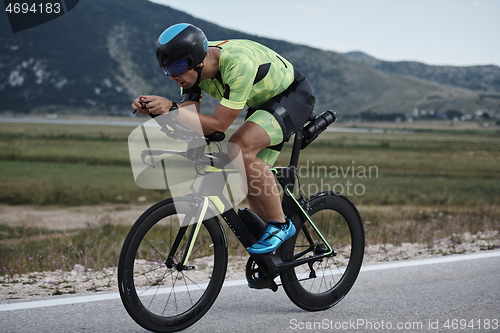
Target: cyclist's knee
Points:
x,y
250,138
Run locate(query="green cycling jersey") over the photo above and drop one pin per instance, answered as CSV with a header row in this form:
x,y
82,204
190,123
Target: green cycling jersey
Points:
x,y
254,76
249,74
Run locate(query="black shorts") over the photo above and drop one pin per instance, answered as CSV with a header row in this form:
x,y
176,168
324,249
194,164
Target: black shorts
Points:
x,y
293,107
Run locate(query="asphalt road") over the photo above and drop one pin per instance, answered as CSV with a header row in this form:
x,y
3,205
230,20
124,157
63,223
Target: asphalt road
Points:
x,y
448,294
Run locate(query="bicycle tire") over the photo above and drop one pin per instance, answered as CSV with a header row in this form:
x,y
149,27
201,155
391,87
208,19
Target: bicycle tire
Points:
x,y
340,223
162,299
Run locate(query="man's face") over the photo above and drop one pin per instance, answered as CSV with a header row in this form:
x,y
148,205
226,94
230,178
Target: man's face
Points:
x,y
186,80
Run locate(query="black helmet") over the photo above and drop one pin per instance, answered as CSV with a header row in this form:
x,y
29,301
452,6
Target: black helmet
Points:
x,y
180,48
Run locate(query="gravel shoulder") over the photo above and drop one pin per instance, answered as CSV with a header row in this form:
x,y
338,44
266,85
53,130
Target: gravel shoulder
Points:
x,y
67,218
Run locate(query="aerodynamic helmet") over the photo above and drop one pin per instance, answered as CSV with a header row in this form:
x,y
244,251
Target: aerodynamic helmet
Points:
x,y
180,48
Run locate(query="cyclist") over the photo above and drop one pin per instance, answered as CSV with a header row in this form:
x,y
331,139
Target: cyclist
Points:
x,y
243,75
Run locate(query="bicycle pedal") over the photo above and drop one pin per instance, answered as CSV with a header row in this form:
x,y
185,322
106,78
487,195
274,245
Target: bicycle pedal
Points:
x,y
273,286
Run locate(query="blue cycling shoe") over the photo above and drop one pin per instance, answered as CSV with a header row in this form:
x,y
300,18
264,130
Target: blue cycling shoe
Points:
x,y
273,237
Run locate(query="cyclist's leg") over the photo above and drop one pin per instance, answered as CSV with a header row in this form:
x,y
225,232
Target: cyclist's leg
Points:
x,y
268,156
288,111
252,137
268,122
263,195
280,117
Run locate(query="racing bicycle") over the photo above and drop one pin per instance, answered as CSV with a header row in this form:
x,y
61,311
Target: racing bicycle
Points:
x,y
174,259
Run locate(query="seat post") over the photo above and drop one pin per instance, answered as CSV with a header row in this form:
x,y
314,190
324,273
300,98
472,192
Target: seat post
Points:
x,y
297,144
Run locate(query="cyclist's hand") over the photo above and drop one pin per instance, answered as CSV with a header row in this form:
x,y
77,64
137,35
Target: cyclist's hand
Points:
x,y
156,104
139,106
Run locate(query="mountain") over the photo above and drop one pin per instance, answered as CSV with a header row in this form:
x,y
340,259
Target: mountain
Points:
x,y
94,58
99,56
485,79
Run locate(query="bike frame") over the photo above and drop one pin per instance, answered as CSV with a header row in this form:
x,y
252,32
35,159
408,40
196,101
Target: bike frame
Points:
x,y
211,190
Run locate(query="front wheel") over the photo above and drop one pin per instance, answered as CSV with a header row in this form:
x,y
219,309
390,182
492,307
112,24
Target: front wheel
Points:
x,y
158,293
323,282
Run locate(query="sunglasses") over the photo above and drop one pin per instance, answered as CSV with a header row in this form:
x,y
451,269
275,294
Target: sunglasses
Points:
x,y
177,68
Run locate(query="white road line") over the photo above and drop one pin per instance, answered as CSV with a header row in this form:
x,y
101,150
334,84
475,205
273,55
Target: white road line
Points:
x,y
233,283
431,261
58,301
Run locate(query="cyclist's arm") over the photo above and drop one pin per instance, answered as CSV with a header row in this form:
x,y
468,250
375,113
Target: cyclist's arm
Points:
x,y
221,120
189,114
223,117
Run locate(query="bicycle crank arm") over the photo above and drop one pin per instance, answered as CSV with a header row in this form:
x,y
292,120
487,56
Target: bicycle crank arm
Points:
x,y
266,264
261,272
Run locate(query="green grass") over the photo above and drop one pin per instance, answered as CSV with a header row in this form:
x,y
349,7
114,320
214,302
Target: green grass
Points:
x,y
67,165
431,169
69,184
64,144
80,165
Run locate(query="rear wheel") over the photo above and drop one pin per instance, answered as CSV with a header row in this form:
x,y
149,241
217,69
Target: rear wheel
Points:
x,y
322,283
159,294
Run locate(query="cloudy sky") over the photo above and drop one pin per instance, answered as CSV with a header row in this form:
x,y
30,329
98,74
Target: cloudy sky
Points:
x,y
436,32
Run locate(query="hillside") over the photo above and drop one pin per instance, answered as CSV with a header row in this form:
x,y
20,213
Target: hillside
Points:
x,y
100,55
484,79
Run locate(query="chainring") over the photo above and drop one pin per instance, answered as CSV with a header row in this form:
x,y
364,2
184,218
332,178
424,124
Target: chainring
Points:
x,y
255,277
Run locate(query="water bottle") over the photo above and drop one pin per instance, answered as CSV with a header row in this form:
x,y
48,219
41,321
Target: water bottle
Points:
x,y
318,125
